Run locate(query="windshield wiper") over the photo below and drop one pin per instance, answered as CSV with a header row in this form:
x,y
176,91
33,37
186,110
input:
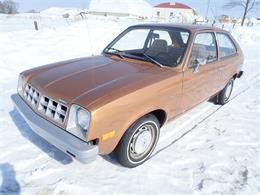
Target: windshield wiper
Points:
x,y
152,60
117,53
114,49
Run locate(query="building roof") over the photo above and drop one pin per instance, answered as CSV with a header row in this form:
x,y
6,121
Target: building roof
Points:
x,y
175,5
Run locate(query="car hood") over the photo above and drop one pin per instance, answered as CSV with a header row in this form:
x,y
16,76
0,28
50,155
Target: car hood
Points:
x,y
90,78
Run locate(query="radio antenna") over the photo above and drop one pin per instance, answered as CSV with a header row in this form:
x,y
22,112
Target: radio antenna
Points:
x,y
89,38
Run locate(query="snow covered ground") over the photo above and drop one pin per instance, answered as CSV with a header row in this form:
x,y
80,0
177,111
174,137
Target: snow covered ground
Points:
x,y
209,150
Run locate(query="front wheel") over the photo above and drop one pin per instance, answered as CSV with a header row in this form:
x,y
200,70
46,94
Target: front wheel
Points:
x,y
138,142
225,94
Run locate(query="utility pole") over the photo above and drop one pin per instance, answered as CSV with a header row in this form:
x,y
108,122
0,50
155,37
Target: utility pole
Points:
x,y
207,13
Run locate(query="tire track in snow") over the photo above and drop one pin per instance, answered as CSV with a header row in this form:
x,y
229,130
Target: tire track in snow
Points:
x,y
210,110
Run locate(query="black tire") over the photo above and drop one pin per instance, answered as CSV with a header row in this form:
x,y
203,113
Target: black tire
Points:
x,y
225,94
126,150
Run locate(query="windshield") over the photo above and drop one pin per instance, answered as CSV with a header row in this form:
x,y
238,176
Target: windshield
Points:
x,y
163,47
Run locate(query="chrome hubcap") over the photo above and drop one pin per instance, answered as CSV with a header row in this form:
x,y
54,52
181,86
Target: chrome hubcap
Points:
x,y
141,141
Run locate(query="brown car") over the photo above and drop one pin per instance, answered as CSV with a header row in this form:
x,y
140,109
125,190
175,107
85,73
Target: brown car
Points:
x,y
118,101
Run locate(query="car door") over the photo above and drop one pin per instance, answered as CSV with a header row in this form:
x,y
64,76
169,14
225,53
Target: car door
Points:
x,y
200,79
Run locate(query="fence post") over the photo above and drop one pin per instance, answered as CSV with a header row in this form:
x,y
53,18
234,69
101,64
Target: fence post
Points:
x,y
36,25
214,22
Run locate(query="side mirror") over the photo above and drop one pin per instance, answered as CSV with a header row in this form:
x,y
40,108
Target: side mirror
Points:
x,y
197,63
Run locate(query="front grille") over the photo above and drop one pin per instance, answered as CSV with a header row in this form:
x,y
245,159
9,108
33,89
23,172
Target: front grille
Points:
x,y
52,109
45,105
31,95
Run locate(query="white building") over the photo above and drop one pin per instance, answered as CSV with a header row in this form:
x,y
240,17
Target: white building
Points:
x,y
136,8
176,12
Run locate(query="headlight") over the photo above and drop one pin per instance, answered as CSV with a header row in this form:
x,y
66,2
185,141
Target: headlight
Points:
x,y
83,118
21,84
79,121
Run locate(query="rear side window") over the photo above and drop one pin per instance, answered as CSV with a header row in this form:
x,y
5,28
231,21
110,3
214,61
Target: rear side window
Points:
x,y
204,49
226,45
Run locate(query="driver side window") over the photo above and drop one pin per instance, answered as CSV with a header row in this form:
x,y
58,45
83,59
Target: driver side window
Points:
x,y
204,49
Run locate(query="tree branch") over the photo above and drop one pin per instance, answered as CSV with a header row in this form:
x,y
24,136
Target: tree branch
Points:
x,y
254,5
234,3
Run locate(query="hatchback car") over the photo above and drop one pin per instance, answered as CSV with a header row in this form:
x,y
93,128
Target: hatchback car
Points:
x,y
119,100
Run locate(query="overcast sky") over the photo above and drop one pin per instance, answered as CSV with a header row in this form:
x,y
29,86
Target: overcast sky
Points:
x,y
199,5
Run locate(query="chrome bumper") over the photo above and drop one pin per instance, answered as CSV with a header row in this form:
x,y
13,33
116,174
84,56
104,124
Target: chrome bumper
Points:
x,y
56,136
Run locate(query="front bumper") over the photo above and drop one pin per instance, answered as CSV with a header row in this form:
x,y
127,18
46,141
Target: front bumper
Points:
x,y
56,136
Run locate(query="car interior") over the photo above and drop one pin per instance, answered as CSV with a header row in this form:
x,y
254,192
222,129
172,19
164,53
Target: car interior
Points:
x,y
169,54
203,53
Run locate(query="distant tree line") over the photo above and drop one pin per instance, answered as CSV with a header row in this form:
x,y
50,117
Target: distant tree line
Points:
x,y
8,7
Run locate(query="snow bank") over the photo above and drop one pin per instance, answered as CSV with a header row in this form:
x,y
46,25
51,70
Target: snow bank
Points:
x,y
247,35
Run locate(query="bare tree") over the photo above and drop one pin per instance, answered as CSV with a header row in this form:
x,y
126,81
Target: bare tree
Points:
x,y
247,5
1,7
8,7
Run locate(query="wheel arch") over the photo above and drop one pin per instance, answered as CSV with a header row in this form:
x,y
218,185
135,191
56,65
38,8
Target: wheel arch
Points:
x,y
160,114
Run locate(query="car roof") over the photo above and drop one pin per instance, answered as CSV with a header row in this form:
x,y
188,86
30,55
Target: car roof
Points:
x,y
189,27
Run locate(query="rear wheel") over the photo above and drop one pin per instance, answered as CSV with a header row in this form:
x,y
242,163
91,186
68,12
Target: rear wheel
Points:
x,y
138,142
225,94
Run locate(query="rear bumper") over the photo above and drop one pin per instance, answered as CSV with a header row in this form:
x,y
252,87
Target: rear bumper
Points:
x,y
240,74
56,136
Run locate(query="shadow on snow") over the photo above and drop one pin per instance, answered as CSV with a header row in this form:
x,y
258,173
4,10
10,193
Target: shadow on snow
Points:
x,y
49,149
9,184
